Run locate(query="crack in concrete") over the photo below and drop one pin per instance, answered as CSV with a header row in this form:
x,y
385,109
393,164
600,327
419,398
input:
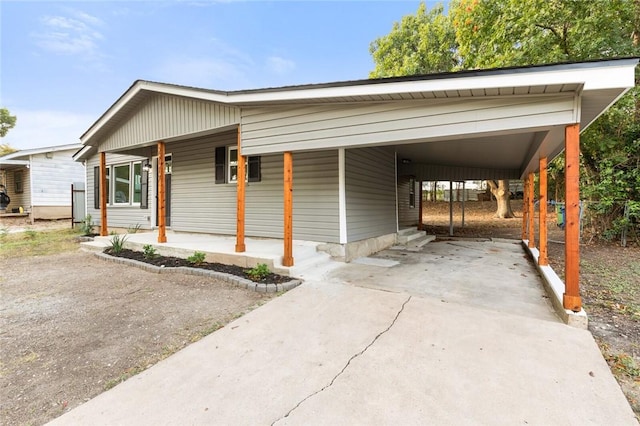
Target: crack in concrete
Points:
x,y
346,365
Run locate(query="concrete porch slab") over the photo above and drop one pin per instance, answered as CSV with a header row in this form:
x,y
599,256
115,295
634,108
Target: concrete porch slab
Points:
x,y
221,249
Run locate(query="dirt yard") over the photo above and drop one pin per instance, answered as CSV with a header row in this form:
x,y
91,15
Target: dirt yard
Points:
x,y
72,326
609,280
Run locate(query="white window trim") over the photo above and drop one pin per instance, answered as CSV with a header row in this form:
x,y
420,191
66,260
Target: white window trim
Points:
x,y
112,185
228,165
229,149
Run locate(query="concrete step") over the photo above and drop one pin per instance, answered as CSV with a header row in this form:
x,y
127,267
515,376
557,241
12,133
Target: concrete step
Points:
x,y
417,244
407,231
315,267
404,236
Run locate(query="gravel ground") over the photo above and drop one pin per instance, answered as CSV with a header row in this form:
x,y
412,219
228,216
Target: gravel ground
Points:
x,y
72,325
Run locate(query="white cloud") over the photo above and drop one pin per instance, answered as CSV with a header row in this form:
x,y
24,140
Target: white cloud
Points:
x,y
75,34
40,128
280,66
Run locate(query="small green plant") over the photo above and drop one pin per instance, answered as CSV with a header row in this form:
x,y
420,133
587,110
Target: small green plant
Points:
x,y
196,258
149,251
133,229
117,243
86,226
3,233
258,272
31,234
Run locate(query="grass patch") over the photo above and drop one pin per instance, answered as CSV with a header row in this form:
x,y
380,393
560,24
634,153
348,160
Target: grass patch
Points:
x,y
617,284
621,364
23,244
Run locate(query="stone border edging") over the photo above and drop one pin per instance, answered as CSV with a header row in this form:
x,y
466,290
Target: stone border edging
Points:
x,y
229,278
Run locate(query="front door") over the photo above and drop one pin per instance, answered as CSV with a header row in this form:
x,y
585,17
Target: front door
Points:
x,y
167,191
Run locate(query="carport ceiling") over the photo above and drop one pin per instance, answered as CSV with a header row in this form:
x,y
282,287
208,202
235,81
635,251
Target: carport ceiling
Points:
x,y
502,151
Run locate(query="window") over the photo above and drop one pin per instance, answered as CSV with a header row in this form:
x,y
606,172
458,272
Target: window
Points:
x,y
19,183
226,166
126,182
137,182
122,185
232,169
108,185
412,193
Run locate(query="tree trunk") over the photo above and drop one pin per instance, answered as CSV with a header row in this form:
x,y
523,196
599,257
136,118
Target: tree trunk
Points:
x,y
500,190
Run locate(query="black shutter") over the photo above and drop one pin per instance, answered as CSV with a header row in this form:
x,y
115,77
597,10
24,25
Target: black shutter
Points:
x,y
144,189
254,169
96,188
221,159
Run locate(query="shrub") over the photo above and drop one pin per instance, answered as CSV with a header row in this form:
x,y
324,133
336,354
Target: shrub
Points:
x,y
86,226
117,243
133,229
259,272
149,251
196,258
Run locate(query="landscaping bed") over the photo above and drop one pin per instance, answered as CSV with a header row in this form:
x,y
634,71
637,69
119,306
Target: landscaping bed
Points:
x,y
259,275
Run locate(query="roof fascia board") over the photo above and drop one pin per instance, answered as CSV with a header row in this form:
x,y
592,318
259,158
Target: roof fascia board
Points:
x,y
43,150
595,78
83,153
14,162
117,106
617,98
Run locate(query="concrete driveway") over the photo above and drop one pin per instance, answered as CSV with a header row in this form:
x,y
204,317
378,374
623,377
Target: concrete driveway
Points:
x,y
339,351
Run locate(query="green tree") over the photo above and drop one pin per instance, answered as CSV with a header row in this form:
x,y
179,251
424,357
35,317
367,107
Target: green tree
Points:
x,y
501,33
5,149
418,44
7,121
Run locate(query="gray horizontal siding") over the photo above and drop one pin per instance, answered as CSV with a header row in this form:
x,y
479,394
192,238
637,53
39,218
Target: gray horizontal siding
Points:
x,y
117,216
197,203
200,205
370,186
164,116
277,129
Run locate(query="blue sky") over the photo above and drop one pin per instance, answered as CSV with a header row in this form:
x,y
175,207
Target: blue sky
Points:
x,y
63,64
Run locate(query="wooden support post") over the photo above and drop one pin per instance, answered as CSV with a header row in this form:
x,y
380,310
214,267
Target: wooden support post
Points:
x,y
543,258
531,208
103,195
463,197
240,245
451,208
287,259
525,209
420,207
571,298
162,207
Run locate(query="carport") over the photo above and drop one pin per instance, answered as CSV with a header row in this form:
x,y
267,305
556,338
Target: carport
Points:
x,y
491,124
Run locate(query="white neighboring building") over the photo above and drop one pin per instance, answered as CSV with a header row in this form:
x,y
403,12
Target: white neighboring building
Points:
x,y
38,181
